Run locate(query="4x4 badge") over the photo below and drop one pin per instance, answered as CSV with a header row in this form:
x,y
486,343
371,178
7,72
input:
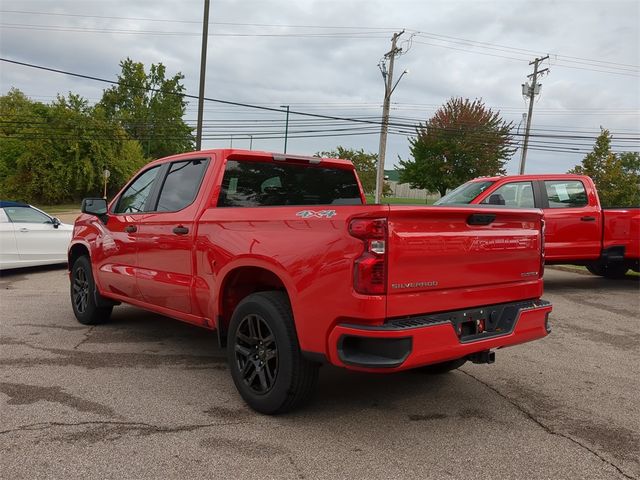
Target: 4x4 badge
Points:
x,y
318,214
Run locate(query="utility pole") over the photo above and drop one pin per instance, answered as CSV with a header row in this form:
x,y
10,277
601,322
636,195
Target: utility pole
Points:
x,y
203,68
524,119
389,87
286,128
531,91
250,142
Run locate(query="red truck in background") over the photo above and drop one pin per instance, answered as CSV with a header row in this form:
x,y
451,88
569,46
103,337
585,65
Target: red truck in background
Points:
x,y
281,255
579,230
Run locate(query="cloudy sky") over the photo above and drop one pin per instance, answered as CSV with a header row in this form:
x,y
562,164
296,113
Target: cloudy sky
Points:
x,y
321,57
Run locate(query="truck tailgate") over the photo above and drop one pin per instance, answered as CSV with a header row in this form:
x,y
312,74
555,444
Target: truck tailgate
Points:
x,y
445,258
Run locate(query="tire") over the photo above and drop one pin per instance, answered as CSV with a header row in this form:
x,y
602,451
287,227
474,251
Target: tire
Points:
x,y
596,269
264,356
83,294
440,368
608,270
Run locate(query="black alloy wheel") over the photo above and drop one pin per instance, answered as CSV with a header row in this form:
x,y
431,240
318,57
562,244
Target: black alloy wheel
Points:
x,y
256,354
81,287
265,361
89,307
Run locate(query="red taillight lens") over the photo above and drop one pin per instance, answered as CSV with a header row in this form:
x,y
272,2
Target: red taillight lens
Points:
x,y
370,269
368,228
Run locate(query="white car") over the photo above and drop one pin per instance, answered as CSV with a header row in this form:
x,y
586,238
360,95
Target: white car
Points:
x,y
30,237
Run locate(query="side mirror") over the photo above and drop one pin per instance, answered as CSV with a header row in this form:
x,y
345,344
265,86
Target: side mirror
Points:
x,y
94,206
56,222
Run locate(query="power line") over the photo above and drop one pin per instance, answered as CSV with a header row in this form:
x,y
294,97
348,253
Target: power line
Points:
x,y
165,33
372,123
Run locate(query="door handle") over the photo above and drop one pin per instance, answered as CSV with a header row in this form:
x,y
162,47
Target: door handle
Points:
x,y
480,219
180,230
24,230
588,219
130,229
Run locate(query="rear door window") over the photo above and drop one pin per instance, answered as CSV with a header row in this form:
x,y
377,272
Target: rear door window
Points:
x,y
181,185
565,193
256,184
515,194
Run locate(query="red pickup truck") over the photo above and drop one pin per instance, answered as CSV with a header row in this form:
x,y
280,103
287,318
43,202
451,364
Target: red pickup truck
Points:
x,y
578,230
281,256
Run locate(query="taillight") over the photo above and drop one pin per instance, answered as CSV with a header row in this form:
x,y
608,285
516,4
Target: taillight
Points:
x,y
370,269
542,234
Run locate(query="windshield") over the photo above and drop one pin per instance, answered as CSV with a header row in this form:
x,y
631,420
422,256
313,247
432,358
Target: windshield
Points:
x,y
464,193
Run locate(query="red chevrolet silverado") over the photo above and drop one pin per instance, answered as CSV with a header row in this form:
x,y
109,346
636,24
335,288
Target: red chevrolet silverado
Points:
x,y
281,255
578,230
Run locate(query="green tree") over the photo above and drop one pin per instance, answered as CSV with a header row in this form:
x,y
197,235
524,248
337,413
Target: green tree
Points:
x,y
462,140
57,152
617,176
366,165
150,107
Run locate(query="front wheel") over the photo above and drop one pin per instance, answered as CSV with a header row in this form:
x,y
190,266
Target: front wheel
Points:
x,y
264,356
83,294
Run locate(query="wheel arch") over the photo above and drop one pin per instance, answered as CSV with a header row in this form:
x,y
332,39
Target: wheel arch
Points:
x,y
76,250
242,281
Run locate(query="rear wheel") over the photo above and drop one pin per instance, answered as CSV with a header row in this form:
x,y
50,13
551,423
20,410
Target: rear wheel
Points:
x,y
608,270
444,367
264,356
83,294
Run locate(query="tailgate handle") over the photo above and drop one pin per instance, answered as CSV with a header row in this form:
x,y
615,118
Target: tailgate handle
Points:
x,y
480,219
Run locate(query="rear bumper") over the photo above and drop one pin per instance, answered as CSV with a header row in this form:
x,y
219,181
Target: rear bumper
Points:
x,y
401,344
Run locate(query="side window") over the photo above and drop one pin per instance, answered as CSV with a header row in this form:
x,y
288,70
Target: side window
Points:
x,y
181,185
565,193
515,194
134,197
26,215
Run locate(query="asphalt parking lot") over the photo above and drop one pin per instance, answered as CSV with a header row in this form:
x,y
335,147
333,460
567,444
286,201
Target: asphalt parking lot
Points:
x,y
148,397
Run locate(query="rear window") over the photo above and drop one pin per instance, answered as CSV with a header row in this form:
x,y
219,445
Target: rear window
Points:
x,y
256,184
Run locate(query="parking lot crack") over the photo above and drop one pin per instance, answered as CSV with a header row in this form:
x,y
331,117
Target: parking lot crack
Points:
x,y
87,334
548,429
140,427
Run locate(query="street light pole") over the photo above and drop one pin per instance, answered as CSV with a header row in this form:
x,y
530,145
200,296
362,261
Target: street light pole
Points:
x,y
286,128
203,68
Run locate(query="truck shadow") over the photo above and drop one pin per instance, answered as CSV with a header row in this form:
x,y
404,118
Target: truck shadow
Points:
x,y
569,280
591,282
